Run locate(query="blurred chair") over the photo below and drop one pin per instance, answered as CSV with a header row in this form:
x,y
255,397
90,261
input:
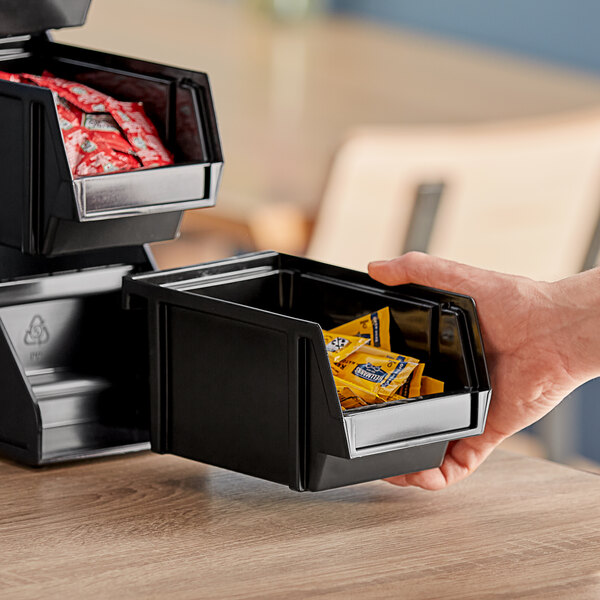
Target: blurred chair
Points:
x,y
521,197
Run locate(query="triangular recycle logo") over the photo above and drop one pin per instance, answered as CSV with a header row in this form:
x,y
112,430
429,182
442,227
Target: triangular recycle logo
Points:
x,y
37,332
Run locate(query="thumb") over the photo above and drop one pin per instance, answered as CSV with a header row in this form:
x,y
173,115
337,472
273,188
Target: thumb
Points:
x,y
420,268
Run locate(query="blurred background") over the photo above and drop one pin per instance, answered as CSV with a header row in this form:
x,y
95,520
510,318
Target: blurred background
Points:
x,y
357,130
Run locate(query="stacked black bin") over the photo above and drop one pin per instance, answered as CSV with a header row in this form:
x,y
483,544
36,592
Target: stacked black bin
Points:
x,y
72,380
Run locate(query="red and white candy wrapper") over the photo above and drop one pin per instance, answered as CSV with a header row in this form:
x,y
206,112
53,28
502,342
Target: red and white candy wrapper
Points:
x,y
68,116
83,97
105,160
141,133
89,143
10,77
101,134
74,138
88,155
103,128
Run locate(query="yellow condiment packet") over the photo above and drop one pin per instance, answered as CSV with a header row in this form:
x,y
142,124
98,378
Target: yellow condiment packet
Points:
x,y
360,391
339,345
348,398
412,387
389,354
414,382
353,396
379,375
429,385
374,326
365,369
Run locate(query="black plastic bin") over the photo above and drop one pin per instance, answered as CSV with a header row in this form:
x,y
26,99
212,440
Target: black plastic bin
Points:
x,y
239,375
47,211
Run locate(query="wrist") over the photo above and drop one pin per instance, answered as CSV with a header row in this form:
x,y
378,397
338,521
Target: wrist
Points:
x,y
573,324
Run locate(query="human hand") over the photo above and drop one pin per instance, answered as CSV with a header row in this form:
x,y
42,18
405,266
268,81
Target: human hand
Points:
x,y
536,346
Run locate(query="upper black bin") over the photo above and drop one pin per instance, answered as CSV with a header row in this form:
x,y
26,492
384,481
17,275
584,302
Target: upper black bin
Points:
x,y
44,209
239,375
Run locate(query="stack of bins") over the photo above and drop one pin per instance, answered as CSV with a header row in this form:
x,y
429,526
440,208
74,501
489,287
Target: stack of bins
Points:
x,y
71,375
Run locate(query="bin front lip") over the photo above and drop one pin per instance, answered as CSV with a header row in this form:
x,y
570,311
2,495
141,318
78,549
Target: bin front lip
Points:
x,y
386,443
96,201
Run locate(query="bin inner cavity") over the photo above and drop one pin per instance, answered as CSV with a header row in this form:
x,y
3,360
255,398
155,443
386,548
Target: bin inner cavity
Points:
x,y
174,107
420,329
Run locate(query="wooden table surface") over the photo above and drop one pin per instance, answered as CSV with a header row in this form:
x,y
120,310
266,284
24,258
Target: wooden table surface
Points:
x,y
153,526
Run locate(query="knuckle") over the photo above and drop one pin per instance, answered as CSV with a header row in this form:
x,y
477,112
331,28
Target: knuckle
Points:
x,y
413,262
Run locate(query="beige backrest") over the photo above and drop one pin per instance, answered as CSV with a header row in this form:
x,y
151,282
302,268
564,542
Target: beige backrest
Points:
x,y
520,197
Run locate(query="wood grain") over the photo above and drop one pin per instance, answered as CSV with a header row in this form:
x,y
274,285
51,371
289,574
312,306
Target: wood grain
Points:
x,y
156,526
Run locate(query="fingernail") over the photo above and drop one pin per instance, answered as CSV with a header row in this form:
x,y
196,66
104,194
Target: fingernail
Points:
x,y
377,263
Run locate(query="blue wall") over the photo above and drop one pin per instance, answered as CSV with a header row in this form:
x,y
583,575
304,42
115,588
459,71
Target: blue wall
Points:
x,y
562,31
589,420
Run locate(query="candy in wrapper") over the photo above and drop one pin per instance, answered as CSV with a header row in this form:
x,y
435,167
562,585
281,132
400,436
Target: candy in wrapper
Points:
x,y
339,346
103,128
374,326
10,77
378,375
83,97
115,135
141,133
105,160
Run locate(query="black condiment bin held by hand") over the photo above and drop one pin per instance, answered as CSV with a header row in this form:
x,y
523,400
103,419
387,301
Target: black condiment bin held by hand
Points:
x,y
239,375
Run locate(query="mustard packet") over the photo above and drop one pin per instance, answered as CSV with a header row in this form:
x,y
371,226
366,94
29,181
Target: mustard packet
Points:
x,y
379,375
353,396
389,354
374,326
339,346
412,387
429,385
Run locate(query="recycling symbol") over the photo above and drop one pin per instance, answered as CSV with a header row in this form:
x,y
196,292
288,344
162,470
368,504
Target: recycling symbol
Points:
x,y
37,332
